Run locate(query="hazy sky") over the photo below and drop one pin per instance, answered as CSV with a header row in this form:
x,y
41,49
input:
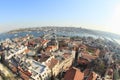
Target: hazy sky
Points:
x,y
94,14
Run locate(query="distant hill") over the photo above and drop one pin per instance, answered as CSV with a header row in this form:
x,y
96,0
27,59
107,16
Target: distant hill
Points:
x,y
69,30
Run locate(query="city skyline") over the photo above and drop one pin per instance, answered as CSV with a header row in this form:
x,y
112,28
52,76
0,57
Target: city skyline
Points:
x,y
101,15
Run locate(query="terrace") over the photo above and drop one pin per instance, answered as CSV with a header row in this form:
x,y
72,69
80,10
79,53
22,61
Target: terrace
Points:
x,y
37,67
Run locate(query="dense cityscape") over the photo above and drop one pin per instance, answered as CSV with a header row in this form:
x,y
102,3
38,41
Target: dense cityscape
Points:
x,y
53,57
59,39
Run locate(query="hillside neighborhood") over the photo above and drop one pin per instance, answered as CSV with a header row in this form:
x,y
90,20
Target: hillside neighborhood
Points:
x,y
50,57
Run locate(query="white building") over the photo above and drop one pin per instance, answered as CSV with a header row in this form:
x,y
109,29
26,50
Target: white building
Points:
x,y
65,59
38,70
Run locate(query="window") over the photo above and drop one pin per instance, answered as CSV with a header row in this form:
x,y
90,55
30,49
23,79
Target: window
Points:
x,y
37,78
43,76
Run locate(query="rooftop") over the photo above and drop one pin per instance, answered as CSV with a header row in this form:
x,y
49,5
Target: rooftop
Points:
x,y
66,55
88,56
51,63
43,57
37,67
74,74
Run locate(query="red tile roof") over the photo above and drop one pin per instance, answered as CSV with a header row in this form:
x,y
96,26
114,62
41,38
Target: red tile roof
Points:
x,y
88,57
52,63
44,41
27,50
48,49
66,55
44,57
83,46
97,52
74,74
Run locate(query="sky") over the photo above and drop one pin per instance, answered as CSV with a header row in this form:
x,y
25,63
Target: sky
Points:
x,y
101,15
